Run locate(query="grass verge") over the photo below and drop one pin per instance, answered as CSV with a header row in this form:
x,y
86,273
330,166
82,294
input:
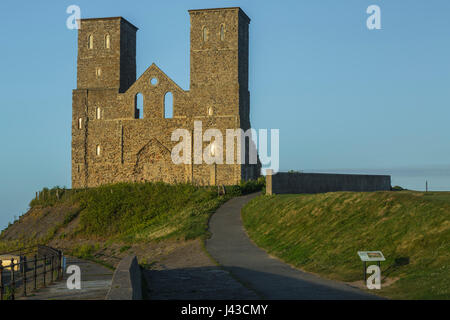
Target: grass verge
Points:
x,y
322,234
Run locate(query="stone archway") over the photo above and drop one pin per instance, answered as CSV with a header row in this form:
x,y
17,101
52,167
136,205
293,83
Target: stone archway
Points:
x,y
154,163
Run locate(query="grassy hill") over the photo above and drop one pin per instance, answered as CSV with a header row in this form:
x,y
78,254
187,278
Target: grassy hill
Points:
x,y
125,213
322,234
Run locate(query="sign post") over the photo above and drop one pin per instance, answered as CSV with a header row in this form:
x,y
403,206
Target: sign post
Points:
x,y
370,256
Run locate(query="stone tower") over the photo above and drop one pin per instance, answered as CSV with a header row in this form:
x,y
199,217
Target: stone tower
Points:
x,y
219,60
106,54
112,141
219,66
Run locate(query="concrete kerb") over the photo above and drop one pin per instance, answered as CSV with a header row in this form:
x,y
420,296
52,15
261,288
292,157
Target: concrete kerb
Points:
x,y
126,282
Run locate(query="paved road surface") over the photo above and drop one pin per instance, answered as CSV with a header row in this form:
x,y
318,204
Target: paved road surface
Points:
x,y
267,276
205,283
95,284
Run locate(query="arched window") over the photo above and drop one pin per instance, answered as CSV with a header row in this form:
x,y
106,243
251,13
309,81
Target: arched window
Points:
x,y
107,41
91,42
139,106
168,105
212,149
99,113
205,34
80,123
98,72
222,32
98,150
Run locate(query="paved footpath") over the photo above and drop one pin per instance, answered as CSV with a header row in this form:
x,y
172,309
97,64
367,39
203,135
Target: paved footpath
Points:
x,y
95,283
270,278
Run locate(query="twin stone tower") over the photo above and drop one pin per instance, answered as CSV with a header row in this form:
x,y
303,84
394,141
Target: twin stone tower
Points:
x,y
117,137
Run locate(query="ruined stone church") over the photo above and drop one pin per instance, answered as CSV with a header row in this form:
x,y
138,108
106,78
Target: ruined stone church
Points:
x,y
117,137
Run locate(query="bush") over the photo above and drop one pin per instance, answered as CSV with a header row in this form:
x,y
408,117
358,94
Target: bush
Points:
x,y
8,293
83,251
252,186
70,216
124,248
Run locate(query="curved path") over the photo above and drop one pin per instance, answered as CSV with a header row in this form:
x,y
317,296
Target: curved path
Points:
x,y
268,277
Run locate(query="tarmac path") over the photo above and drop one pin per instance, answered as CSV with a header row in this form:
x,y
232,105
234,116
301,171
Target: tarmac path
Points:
x,y
269,277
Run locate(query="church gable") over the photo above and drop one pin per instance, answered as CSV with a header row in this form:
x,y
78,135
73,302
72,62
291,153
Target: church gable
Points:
x,y
156,96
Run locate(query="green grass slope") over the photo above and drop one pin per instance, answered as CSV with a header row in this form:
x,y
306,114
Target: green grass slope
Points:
x,y
123,212
322,234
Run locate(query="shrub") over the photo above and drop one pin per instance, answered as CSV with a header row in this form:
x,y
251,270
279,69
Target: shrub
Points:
x,y
124,248
252,186
9,292
83,251
70,216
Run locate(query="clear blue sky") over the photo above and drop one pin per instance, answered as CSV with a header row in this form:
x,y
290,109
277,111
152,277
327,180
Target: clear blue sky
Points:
x,y
345,99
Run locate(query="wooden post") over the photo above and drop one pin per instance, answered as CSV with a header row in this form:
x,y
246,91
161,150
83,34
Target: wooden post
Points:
x,y
45,261
1,280
24,266
269,173
35,272
13,279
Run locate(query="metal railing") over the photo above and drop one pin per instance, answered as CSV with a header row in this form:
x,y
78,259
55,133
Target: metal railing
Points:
x,y
24,273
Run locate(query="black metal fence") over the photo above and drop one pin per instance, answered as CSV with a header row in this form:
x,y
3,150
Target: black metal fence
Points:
x,y
29,270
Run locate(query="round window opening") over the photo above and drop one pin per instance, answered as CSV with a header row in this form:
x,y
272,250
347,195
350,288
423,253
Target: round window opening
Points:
x,y
154,81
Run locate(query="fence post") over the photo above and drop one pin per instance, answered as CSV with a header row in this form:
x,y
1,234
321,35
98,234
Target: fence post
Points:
x,y
1,280
24,266
45,260
35,271
60,266
13,280
51,267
